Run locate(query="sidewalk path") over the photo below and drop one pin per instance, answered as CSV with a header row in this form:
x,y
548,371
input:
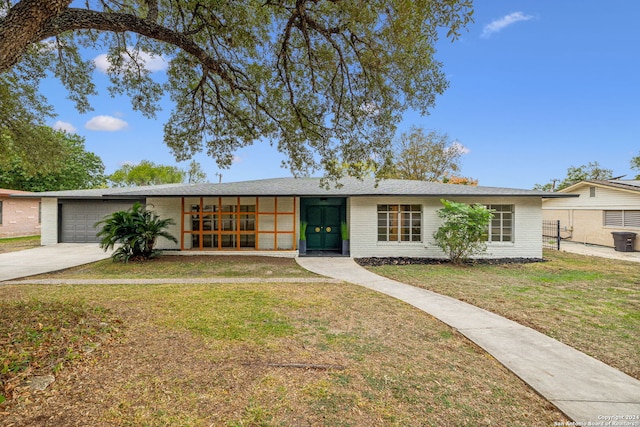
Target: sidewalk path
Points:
x,y
598,251
585,389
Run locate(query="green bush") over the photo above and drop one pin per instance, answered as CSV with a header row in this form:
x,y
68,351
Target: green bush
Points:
x,y
135,230
463,232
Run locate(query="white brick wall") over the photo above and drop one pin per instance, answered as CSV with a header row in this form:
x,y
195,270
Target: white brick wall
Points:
x,y
49,226
167,208
362,213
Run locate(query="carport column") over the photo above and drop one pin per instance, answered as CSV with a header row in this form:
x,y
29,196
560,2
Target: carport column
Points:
x,y
49,226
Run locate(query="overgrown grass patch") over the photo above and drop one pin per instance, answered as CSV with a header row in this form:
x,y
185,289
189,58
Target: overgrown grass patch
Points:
x,y
337,355
590,303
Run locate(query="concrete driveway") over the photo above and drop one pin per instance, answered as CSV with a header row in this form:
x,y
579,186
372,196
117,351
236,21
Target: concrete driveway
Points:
x,y
14,265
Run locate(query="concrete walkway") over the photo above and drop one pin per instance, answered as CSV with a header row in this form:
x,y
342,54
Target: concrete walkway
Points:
x,y
598,251
45,259
583,388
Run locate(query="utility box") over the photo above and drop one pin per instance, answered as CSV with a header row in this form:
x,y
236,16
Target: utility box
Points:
x,y
623,241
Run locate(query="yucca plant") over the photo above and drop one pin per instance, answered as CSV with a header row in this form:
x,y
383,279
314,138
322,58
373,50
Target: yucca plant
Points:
x,y
135,230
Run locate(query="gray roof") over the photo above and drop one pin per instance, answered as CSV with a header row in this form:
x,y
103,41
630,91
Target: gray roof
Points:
x,y
623,184
309,187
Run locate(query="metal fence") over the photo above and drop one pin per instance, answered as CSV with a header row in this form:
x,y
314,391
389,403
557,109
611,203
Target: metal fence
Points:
x,y
551,234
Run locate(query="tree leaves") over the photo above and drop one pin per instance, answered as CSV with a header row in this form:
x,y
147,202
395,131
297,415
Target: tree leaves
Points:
x,y
68,166
326,81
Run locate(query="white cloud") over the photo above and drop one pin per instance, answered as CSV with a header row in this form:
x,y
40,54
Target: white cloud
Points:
x,y
458,148
152,62
106,123
101,62
65,126
502,23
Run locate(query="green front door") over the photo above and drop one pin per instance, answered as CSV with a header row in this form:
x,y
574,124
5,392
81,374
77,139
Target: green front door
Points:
x,y
323,227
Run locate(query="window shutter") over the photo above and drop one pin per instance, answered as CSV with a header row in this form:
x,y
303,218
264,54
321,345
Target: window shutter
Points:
x,y
613,218
632,219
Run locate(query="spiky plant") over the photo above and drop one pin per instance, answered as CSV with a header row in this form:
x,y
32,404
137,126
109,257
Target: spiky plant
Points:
x,y
135,231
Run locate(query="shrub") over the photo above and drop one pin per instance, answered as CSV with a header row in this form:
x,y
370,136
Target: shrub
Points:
x,y
463,232
135,230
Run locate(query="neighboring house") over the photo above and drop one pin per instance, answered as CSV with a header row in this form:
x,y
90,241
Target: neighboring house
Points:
x,y
18,217
601,208
394,218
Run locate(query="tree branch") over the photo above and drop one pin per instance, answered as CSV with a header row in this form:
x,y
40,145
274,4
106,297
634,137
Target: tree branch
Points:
x,y
81,19
20,28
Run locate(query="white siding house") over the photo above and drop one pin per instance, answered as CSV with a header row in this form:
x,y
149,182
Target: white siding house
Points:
x,y
600,208
389,218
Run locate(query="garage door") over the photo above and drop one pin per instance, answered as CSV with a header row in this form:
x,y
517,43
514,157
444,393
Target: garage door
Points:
x,y
77,218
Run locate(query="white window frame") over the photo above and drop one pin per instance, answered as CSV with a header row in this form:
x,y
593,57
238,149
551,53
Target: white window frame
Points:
x,y
401,219
502,221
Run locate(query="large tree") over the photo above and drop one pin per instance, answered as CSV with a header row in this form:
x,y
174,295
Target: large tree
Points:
x,y
425,157
325,80
146,173
592,170
72,168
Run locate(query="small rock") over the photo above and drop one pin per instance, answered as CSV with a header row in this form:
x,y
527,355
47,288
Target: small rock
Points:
x,y
41,382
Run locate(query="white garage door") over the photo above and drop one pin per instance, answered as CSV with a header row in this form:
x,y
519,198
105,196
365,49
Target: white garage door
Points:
x,y
77,218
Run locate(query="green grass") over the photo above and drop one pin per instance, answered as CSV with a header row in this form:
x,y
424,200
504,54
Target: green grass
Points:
x,y
200,355
592,304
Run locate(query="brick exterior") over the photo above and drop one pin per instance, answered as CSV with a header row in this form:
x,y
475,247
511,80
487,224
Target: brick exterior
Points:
x,y
20,217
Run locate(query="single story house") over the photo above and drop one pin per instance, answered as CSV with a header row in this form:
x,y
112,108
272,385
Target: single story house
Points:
x,y
391,218
18,217
602,207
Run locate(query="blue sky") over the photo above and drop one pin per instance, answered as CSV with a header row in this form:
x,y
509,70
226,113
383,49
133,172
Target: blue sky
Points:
x,y
535,87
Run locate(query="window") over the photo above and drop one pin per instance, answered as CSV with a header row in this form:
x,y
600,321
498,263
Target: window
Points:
x,y
399,223
219,225
592,191
501,226
0,212
238,223
622,219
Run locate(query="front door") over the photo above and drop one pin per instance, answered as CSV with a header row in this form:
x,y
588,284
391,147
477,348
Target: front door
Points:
x,y
323,228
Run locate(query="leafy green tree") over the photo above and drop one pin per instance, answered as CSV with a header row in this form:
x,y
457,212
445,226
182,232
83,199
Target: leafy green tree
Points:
x,y
463,232
322,79
195,174
135,231
426,157
592,170
146,173
635,164
73,167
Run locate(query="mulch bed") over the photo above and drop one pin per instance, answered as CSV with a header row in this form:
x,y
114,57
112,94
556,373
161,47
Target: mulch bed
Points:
x,y
378,261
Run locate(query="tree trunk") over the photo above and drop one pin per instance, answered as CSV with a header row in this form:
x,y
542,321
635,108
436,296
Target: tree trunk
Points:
x,y
22,25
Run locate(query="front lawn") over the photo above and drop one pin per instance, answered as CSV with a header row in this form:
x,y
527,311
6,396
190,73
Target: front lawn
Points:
x,y
589,303
251,354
